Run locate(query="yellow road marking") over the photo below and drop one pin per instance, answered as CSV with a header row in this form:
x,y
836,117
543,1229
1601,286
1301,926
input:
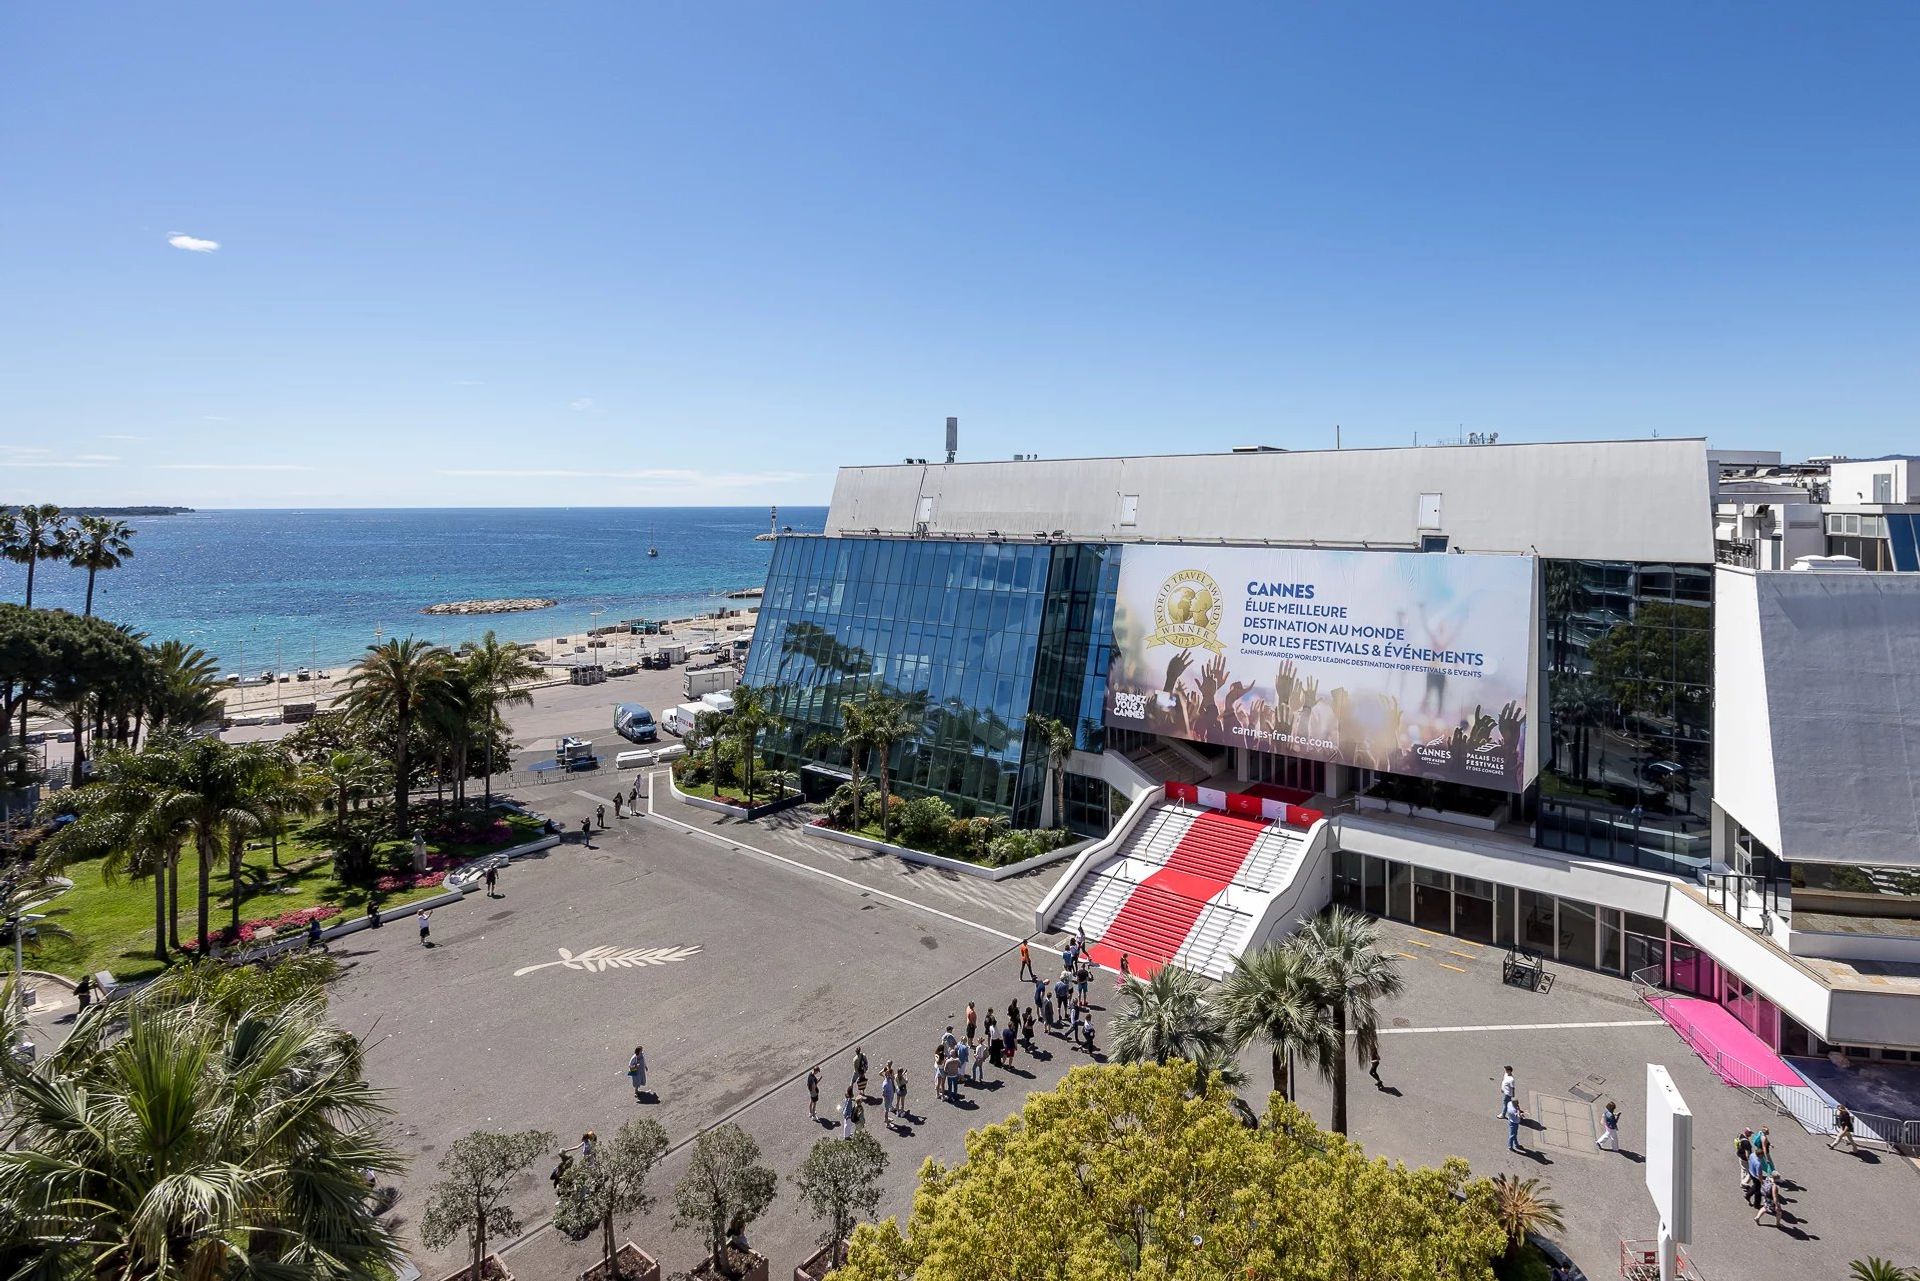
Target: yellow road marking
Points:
x,y
1408,955
1429,933
1443,965
1465,956
1417,943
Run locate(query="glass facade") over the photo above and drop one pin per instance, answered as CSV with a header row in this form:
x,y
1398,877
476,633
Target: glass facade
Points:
x,y
972,634
1626,657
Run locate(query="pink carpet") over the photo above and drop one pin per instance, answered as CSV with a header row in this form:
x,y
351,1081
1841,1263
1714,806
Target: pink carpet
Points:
x,y
1724,1043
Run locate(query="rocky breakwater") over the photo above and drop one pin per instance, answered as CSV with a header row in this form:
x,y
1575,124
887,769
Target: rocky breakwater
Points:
x,y
520,605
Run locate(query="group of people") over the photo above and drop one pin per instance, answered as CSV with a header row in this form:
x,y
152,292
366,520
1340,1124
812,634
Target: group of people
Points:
x,y
1759,1181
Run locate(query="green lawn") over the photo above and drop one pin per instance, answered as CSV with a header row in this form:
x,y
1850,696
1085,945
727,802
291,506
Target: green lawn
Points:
x,y
762,794
112,924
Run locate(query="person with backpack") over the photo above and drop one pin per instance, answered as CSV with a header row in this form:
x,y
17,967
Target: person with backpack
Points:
x,y
860,1070
846,1115
1842,1124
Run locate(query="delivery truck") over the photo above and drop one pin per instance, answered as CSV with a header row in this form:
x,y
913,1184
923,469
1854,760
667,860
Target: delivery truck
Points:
x,y
709,680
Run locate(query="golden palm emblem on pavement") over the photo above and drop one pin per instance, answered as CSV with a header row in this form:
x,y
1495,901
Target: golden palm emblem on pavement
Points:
x,y
598,960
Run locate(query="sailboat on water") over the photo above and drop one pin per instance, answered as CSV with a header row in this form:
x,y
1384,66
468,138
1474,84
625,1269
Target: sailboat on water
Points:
x,y
653,548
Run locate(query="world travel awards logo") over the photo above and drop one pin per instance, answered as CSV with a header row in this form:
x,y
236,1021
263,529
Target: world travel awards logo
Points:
x,y
1186,613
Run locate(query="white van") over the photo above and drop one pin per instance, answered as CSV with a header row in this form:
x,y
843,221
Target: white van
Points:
x,y
680,719
720,701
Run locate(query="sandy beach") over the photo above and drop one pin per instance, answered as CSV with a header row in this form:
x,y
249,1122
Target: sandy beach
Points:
x,y
559,653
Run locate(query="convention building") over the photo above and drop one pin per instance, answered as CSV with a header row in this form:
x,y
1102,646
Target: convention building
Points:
x,y
1633,706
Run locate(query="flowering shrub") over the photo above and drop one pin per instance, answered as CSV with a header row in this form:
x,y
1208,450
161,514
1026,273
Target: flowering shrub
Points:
x,y
226,937
490,831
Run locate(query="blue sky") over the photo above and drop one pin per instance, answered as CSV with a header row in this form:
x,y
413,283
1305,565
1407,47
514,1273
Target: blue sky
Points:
x,y
626,253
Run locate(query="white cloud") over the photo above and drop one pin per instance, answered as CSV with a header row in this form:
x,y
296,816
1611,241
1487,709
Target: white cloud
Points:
x,y
670,476
97,458
192,244
231,467
22,451
122,436
583,405
83,462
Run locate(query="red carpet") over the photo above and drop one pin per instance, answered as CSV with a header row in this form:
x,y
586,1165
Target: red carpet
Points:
x,y
1275,792
1160,913
1723,1042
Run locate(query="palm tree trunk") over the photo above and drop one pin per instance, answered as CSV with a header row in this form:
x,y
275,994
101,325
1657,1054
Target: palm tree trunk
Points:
x,y
173,899
91,571
886,792
1282,1080
236,848
400,775
203,846
160,910
1340,1067
77,718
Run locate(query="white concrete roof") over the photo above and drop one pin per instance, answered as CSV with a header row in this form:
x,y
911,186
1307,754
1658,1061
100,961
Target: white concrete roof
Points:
x,y
1646,500
1817,713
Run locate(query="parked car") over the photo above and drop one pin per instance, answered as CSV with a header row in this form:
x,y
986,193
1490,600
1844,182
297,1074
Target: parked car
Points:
x,y
635,723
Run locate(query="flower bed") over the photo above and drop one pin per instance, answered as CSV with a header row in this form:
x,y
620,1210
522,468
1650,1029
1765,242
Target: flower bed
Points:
x,y
226,937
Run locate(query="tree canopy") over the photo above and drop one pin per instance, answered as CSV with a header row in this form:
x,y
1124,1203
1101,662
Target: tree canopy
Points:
x,y
1140,1171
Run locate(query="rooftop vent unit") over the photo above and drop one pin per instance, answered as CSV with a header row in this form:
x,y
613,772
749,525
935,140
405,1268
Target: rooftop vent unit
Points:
x,y
1258,449
1827,565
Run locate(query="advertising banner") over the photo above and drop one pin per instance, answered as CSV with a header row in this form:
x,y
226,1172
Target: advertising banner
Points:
x,y
1414,663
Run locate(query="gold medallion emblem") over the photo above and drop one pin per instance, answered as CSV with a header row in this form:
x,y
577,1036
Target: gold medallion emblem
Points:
x,y
1186,614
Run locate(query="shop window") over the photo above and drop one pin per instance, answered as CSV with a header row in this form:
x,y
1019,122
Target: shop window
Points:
x,y
1535,921
1473,909
1433,900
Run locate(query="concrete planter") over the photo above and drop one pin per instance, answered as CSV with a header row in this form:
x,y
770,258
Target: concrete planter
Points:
x,y
952,864
492,1265
631,1263
817,1265
750,1266
738,811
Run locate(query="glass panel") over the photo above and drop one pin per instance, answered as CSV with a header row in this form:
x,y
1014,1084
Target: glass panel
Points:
x,y
1577,939
1610,940
1399,891
1536,921
1376,886
1503,919
1472,915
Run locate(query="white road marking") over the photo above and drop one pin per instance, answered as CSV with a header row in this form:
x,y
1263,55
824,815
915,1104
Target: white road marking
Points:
x,y
1519,1027
846,881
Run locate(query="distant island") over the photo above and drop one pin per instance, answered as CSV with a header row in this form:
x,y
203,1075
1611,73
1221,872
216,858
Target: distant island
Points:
x,y
521,605
112,511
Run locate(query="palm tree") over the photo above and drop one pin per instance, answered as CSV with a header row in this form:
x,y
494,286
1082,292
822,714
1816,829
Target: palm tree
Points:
x,y
118,819
1166,1017
496,678
709,730
448,714
853,738
1875,1268
1355,974
391,682
97,543
32,534
186,687
1057,738
750,718
889,720
196,1145
1274,996
1524,1209
28,536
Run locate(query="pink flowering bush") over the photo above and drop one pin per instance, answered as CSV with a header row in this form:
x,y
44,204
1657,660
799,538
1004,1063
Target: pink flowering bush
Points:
x,y
226,937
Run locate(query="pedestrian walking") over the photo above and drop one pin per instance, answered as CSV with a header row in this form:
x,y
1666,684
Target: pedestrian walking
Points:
x,y
1743,1148
633,796
846,1115
493,878
560,1168
1013,1011
1062,986
1082,977
1073,1031
992,1023
813,1092
83,992
1769,1200
887,1092
1126,969
1009,1041
993,1050
1026,1027
600,815
424,917
949,1040
586,830
637,1073
1086,1033
860,1070
979,1064
972,1020
1046,1007
1609,1139
1026,961
616,806
1842,1119
1763,1148
964,1057
953,1078
900,1092
1750,1181
1373,1068
1514,1117
588,1142
1506,1089
1039,990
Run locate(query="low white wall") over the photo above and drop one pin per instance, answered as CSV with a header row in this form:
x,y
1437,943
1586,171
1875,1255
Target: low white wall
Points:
x,y
1794,989
1306,892
952,864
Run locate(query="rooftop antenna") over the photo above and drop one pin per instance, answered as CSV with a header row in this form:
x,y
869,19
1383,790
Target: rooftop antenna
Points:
x,y
1336,435
953,437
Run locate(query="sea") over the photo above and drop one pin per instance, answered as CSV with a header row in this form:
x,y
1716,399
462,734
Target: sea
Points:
x,y
287,589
